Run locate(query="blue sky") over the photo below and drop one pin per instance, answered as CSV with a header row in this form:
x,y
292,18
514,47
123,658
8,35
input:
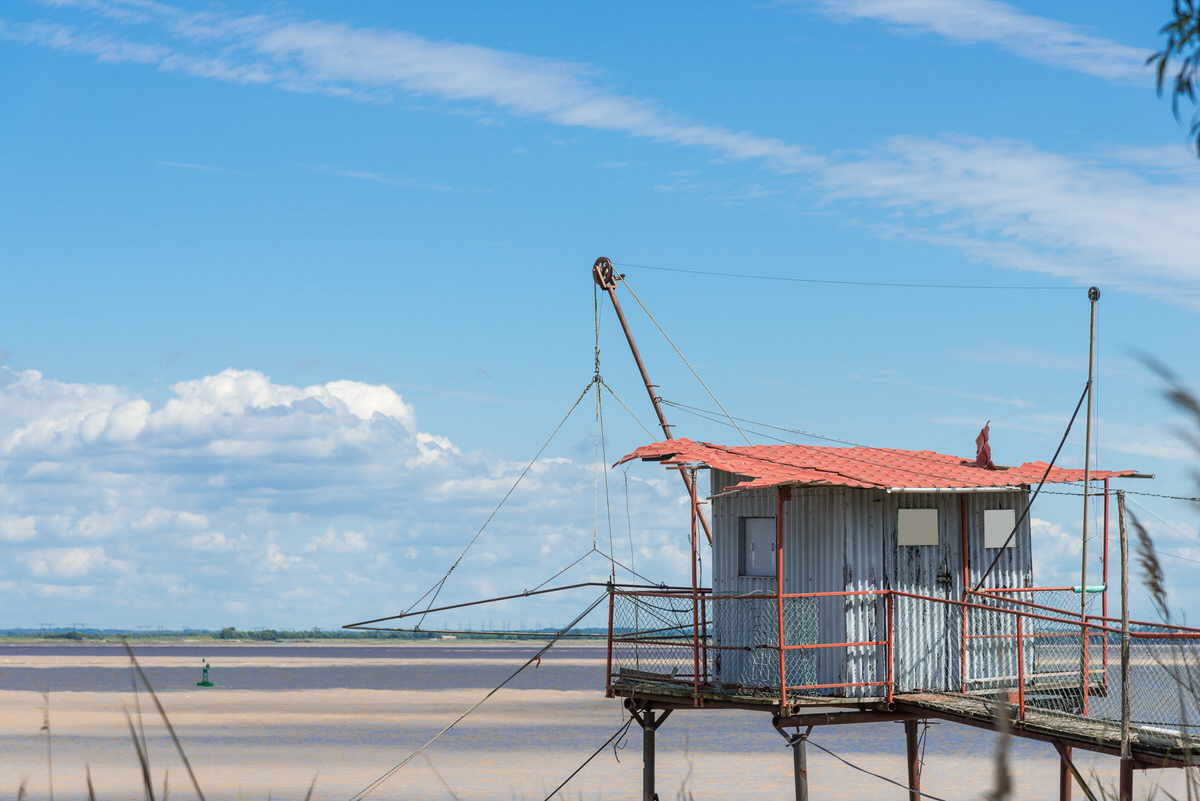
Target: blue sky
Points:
x,y
296,290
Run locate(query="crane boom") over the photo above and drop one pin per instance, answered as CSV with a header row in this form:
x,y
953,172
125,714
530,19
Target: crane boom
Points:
x,y
606,278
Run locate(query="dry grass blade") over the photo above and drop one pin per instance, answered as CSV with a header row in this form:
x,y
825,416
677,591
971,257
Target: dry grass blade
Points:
x,y
312,785
1003,783
49,754
166,720
1152,573
91,790
143,760
21,791
440,778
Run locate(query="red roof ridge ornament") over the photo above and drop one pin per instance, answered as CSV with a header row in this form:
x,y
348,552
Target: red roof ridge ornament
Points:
x,y
983,451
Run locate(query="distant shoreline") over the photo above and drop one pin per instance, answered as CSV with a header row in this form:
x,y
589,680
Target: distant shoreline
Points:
x,y
210,640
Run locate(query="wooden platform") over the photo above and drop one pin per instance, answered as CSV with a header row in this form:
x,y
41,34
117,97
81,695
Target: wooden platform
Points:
x,y
1152,747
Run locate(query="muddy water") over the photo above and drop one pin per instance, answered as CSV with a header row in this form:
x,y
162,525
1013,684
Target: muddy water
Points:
x,y
281,714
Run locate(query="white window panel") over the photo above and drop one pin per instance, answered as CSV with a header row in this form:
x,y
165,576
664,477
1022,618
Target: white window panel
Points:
x,y
997,525
757,546
917,527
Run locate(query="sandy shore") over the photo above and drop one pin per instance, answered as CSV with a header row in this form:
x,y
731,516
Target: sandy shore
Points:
x,y
521,744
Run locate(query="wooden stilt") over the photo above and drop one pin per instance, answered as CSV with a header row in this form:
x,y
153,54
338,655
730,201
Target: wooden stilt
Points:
x,y
914,760
1064,774
1126,792
1070,771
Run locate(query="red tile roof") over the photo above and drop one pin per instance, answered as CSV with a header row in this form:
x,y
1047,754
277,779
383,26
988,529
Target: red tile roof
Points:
x,y
882,468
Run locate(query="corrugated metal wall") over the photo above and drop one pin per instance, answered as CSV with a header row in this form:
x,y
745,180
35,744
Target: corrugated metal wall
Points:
x,y
842,539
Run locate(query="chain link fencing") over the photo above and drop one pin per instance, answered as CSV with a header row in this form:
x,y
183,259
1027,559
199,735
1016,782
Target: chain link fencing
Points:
x,y
1030,646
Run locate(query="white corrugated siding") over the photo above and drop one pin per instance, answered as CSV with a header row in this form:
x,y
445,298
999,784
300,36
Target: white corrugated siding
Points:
x,y
843,539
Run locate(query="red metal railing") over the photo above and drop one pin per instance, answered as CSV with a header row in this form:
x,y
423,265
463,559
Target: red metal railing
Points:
x,y
675,642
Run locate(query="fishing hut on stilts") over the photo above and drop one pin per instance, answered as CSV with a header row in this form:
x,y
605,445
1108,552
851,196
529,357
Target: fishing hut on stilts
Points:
x,y
863,584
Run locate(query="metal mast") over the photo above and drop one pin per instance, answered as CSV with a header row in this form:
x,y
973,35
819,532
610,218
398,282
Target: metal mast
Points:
x,y
1093,296
606,278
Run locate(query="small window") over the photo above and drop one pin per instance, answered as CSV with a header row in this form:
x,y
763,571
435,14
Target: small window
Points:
x,y
756,546
917,527
997,525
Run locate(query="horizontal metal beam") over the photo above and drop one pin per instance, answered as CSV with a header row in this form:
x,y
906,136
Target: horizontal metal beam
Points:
x,y
836,718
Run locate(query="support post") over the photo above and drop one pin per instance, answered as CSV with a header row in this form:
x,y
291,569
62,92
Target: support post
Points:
x,y
1064,774
781,494
914,760
1126,790
646,719
608,693
800,766
966,585
1126,752
695,602
799,758
1069,771
1104,595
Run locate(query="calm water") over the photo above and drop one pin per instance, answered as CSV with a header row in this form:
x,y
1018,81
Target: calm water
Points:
x,y
552,732
552,675
704,730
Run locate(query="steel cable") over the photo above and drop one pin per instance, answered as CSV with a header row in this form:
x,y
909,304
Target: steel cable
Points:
x,y
370,788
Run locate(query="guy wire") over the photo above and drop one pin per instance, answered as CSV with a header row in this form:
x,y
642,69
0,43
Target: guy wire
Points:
x,y
685,361
370,788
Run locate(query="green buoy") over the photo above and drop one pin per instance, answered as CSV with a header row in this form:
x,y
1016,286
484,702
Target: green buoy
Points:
x,y
204,682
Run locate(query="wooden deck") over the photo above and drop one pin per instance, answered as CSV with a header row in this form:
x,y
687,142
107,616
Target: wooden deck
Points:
x,y
1152,747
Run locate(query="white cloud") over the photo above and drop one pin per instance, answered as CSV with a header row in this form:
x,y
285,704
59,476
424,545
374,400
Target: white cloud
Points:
x,y
1029,36
338,542
70,562
15,528
237,490
344,61
210,541
276,559
1012,204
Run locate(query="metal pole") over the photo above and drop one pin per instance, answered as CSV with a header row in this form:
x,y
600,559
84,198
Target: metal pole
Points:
x,y
648,731
914,760
1126,753
779,498
800,765
1020,667
606,278
608,693
1104,595
966,568
645,718
1064,774
695,604
1093,296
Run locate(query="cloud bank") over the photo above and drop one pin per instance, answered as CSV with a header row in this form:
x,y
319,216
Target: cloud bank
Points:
x,y
240,501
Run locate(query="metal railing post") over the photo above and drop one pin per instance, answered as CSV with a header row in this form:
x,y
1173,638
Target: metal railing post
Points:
x,y
1020,666
695,602
891,651
1087,665
779,493
1126,753
608,693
